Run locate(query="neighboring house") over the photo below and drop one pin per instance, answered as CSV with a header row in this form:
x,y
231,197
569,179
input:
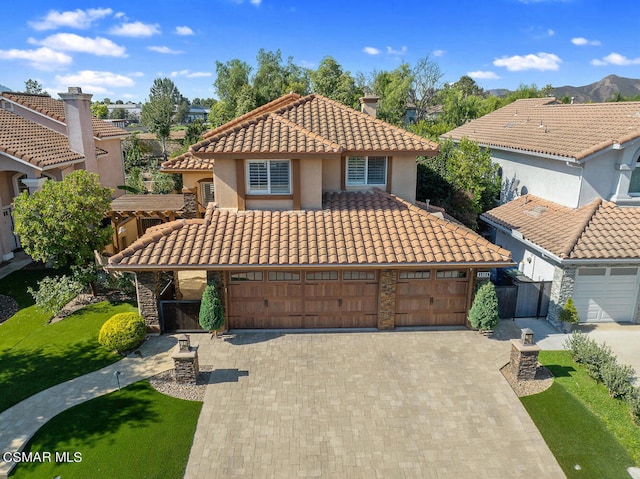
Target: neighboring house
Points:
x,y
571,188
42,138
197,113
311,222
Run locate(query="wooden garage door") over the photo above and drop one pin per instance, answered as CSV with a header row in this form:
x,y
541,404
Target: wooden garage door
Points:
x,y
431,298
303,299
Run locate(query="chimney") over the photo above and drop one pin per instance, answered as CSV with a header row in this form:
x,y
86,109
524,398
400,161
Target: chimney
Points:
x,y
77,112
369,104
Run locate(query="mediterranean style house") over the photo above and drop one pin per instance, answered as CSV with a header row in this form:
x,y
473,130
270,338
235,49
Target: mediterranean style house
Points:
x,y
570,198
306,217
42,138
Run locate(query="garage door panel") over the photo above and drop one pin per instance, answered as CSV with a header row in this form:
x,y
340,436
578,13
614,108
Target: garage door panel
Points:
x,y
605,297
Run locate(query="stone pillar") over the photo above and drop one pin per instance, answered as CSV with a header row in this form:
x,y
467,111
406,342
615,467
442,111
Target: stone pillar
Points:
x,y
147,295
561,290
190,209
524,360
186,367
387,299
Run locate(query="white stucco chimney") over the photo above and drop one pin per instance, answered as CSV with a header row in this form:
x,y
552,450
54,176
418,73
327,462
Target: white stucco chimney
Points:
x,y
77,112
369,105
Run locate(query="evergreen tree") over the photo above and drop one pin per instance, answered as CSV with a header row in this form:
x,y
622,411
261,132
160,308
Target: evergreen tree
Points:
x,y
484,311
211,316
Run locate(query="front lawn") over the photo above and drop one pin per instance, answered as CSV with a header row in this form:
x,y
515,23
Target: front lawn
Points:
x,y
590,434
35,355
133,433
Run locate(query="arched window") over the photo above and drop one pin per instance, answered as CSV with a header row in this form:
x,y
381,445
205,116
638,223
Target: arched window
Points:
x,y
634,185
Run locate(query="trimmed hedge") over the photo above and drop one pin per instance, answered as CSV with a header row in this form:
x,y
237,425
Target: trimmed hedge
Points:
x,y
122,332
483,314
602,365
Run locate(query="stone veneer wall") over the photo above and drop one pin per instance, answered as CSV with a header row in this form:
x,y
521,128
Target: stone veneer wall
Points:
x,y
524,360
561,290
387,299
190,203
147,284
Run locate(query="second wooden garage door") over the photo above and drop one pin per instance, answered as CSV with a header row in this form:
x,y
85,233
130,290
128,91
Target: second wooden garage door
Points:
x,y
431,298
303,299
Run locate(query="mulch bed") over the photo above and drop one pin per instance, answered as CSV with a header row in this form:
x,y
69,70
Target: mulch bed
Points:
x,y
542,381
8,307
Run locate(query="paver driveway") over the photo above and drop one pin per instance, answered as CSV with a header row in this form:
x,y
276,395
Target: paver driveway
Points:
x,y
363,405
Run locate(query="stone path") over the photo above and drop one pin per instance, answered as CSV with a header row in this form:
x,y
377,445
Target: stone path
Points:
x,y
419,404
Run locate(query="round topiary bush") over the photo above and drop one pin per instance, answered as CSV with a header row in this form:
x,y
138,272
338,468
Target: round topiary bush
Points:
x,y
122,332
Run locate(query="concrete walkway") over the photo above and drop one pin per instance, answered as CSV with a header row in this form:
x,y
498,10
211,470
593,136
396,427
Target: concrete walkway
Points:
x,y
623,338
20,422
19,261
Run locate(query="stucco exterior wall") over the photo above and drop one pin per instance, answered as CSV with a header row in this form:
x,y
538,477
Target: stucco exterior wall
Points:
x,y
529,261
404,173
190,180
331,174
310,188
549,179
225,184
274,204
111,165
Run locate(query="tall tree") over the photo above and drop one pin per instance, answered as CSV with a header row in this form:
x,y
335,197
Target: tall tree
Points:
x,y
158,113
331,81
99,110
426,77
274,78
34,87
393,88
231,77
63,223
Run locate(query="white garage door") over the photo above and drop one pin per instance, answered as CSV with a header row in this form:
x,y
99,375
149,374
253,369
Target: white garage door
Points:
x,y
606,294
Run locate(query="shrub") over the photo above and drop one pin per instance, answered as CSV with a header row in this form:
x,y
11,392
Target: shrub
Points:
x,y
586,351
55,292
569,313
211,311
484,311
575,344
122,332
618,378
634,405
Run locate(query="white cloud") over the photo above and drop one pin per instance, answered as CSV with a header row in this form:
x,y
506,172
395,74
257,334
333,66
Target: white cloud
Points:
x,y
542,62
165,50
184,30
136,74
70,42
371,51
483,75
190,74
256,2
402,51
551,32
136,29
616,59
438,53
80,19
41,59
580,41
93,81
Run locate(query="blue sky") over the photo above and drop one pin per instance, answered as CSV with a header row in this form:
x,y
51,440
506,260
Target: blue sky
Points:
x,y
115,49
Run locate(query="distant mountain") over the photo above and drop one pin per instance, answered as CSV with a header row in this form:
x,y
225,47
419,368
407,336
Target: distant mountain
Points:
x,y
5,88
600,91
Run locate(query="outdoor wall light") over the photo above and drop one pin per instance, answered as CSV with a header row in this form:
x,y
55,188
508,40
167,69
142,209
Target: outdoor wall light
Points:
x,y
184,343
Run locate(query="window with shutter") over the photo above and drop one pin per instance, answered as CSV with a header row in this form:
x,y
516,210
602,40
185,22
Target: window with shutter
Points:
x,y
367,170
206,190
269,177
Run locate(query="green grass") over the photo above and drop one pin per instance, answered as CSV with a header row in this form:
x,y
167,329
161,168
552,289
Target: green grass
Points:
x,y
581,424
133,433
16,284
35,355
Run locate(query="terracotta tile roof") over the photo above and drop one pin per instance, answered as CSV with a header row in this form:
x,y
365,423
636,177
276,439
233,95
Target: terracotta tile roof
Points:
x,y
148,203
599,230
187,162
544,126
353,228
33,143
55,109
309,125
